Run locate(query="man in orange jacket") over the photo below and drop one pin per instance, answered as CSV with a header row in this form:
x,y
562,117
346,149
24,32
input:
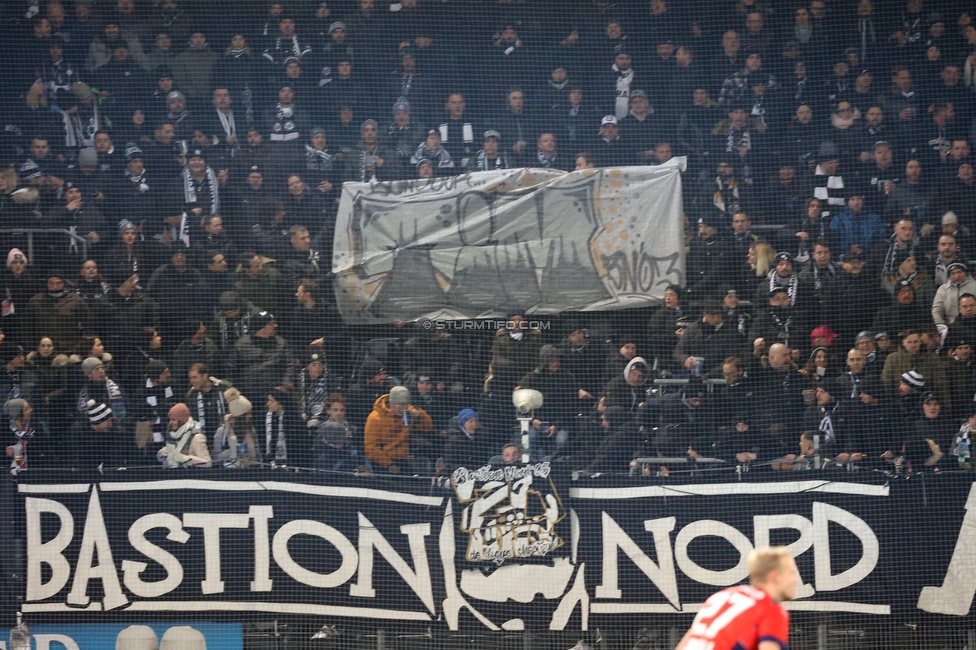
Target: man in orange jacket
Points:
x,y
388,429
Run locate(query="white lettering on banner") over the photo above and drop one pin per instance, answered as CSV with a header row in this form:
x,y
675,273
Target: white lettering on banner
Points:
x,y
172,566
955,596
49,553
418,579
211,523
524,492
661,574
94,540
262,562
507,513
813,533
712,528
823,514
346,569
762,524
44,641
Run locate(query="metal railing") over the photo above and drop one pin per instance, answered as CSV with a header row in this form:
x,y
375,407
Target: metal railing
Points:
x,y
30,232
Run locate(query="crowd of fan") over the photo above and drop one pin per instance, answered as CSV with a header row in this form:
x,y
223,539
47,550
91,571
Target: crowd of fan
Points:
x,y
198,186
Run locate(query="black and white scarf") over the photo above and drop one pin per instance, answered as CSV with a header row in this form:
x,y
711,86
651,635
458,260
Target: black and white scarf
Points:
x,y
318,160
737,139
178,118
942,271
440,157
202,410
230,128
115,399
467,137
25,434
791,283
894,257
406,81
509,49
829,189
482,163
559,86
855,384
285,47
912,27
758,111
19,460
227,122
800,88
827,423
544,162
284,129
274,436
313,393
80,133
625,79
15,391
830,272
139,180
818,231
230,331
194,190
839,89
783,326
367,166
961,446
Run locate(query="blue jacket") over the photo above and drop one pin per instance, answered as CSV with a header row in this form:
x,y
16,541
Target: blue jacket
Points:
x,y
863,229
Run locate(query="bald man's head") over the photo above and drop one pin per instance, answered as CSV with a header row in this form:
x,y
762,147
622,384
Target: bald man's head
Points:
x,y
180,413
779,356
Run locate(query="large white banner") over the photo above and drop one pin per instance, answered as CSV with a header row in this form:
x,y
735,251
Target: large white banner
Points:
x,y
534,241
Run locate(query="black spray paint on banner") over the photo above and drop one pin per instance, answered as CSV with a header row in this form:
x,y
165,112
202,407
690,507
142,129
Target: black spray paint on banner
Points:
x,y
538,240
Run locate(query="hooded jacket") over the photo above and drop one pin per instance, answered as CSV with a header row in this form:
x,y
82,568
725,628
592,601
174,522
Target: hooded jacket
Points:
x,y
620,393
945,307
387,438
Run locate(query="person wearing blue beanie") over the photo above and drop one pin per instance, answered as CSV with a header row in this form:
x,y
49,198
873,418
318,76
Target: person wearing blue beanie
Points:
x,y
466,445
465,416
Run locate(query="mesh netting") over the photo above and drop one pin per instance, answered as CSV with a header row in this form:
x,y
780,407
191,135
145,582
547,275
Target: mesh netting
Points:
x,y
446,323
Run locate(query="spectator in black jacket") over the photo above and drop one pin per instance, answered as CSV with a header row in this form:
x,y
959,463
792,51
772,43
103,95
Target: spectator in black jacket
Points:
x,y
710,340
261,358
173,287
663,331
581,355
554,422
131,310
518,127
466,446
15,381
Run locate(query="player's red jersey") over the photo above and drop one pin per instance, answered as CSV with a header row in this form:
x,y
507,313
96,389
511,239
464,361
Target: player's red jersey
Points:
x,y
738,618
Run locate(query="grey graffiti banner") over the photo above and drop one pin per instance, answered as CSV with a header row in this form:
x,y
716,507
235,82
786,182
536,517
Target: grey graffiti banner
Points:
x,y
533,240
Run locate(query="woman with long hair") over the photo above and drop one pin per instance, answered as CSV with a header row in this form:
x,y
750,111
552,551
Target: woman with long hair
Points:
x,y
758,262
